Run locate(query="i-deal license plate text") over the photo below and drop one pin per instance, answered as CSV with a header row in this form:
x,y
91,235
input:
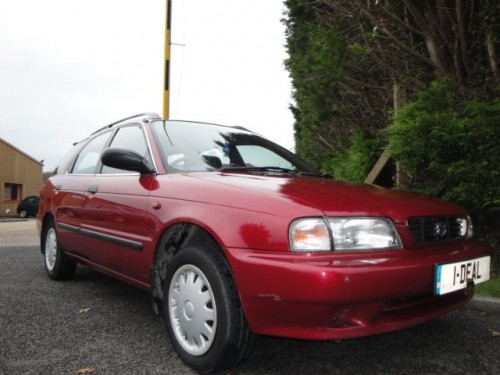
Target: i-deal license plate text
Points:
x,y
455,276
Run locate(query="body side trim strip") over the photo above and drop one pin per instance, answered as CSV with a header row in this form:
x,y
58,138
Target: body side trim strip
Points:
x,y
134,245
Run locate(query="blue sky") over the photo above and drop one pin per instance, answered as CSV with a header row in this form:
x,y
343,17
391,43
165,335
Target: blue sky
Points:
x,y
70,67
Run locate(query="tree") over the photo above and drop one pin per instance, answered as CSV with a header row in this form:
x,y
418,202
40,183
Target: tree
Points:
x,y
450,149
332,80
346,56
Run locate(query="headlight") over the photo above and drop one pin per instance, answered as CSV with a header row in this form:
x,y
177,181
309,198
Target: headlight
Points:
x,y
343,234
364,234
466,227
310,235
470,228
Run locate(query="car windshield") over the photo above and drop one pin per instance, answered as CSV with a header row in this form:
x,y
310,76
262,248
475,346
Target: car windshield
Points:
x,y
197,147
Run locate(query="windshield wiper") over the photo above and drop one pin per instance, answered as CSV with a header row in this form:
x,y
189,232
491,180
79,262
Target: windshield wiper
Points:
x,y
258,169
272,169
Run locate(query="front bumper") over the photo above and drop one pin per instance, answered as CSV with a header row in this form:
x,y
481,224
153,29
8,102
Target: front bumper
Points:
x,y
340,296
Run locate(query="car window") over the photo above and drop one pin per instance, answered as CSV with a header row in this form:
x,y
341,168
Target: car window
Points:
x,y
89,157
189,146
130,138
66,163
257,156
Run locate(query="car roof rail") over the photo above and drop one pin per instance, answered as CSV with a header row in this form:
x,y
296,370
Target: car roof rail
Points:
x,y
146,117
210,123
241,128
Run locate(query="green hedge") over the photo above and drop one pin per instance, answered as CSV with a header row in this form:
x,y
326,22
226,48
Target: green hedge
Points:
x,y
355,164
450,148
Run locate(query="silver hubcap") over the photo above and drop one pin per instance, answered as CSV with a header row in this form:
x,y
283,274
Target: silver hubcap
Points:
x,y
50,249
192,309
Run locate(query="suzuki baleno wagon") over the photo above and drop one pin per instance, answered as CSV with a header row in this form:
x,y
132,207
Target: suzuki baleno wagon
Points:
x,y
234,236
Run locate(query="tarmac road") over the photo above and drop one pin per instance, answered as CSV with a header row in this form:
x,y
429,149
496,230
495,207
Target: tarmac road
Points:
x,y
96,325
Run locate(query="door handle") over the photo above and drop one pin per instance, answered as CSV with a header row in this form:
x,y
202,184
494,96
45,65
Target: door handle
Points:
x,y
92,189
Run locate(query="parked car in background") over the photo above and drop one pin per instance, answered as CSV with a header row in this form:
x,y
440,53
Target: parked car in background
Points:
x,y
28,206
235,236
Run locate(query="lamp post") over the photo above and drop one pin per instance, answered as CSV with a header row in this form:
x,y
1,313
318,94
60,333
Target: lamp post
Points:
x,y
166,89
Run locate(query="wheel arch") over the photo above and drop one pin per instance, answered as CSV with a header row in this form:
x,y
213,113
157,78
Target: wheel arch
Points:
x,y
176,237
48,217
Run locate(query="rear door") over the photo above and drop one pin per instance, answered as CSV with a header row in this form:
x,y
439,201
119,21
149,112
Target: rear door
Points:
x,y
69,193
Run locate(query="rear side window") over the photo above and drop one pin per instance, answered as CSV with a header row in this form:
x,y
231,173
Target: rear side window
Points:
x,y
31,199
66,162
89,158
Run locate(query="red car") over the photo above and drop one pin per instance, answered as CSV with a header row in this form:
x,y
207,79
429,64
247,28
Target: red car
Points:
x,y
235,236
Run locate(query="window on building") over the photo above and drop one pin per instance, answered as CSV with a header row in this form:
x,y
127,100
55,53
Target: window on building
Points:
x,y
11,192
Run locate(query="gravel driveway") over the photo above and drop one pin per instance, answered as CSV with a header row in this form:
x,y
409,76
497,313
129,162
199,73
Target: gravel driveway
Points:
x,y
18,232
95,325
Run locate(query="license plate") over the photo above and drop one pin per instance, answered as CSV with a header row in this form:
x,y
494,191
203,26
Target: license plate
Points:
x,y
455,276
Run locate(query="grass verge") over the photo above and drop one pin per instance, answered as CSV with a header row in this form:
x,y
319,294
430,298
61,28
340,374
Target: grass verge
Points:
x,y
490,288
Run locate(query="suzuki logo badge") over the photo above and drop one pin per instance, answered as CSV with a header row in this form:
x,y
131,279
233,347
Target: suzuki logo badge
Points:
x,y
441,229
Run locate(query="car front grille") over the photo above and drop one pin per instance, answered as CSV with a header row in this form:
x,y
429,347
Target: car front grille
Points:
x,y
427,230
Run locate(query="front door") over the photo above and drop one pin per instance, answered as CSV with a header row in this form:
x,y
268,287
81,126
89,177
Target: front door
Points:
x,y
116,212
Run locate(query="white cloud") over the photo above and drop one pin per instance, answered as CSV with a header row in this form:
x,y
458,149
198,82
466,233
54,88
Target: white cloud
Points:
x,y
69,67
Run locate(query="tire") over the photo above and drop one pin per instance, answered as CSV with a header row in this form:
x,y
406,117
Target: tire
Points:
x,y
202,311
23,214
57,264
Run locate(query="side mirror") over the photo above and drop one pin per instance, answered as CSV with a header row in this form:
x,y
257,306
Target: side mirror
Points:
x,y
128,160
213,161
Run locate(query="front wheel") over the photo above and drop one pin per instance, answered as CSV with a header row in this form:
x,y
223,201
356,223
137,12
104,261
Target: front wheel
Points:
x,y
57,264
23,214
202,311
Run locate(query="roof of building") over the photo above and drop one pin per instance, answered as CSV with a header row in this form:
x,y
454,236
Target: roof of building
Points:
x,y
20,151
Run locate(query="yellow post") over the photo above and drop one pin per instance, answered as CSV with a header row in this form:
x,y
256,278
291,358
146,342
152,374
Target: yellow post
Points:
x,y
166,91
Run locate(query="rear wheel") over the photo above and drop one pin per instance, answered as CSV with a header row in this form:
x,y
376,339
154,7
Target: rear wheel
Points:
x,y
23,214
202,311
57,264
